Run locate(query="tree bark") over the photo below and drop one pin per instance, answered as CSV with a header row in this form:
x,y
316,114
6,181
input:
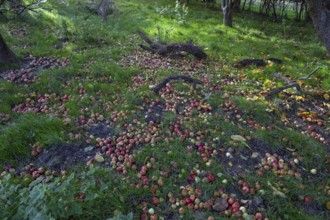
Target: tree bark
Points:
x,y
227,8
6,55
320,12
237,5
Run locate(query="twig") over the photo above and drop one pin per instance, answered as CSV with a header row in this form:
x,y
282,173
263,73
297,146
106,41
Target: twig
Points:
x,y
280,77
309,75
291,84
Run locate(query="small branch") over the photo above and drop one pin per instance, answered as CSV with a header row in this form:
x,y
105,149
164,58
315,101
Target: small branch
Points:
x,y
291,84
278,90
187,79
309,75
280,77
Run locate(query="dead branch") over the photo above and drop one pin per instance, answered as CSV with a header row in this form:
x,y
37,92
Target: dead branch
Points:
x,y
161,49
281,77
278,90
187,79
309,75
291,84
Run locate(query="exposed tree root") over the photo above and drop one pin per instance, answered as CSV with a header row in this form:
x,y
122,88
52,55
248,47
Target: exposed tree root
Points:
x,y
188,79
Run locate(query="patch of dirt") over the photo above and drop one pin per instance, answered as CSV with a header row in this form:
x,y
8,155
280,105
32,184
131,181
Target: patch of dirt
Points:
x,y
241,163
154,111
101,130
310,115
63,156
313,208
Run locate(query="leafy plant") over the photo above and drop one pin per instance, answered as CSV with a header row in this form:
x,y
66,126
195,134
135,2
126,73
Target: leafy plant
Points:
x,y
179,12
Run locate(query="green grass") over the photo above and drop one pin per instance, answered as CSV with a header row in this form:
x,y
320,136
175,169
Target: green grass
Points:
x,y
95,49
18,137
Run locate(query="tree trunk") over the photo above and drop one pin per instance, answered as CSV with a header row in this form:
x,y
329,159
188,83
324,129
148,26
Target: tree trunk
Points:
x,y
320,13
227,13
6,55
237,5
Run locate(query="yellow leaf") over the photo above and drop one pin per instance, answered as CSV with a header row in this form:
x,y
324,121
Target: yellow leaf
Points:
x,y
283,116
326,97
270,64
99,158
300,82
268,83
299,98
238,138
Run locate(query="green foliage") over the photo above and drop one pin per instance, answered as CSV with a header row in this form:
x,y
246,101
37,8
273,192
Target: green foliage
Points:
x,y
122,217
95,49
179,12
57,199
39,200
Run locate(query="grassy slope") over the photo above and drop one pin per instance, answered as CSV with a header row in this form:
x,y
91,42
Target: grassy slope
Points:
x,y
94,49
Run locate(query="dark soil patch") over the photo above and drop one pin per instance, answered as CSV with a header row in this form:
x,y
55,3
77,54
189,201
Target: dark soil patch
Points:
x,y
101,130
310,115
313,208
257,204
241,162
154,111
63,156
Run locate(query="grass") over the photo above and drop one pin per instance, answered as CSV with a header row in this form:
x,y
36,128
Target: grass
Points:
x,y
101,89
18,137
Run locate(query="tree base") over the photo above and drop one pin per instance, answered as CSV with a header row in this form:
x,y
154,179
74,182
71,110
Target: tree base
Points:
x,y
6,55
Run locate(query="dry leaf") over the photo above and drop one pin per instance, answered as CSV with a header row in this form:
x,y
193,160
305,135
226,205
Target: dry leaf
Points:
x,y
238,138
254,155
99,158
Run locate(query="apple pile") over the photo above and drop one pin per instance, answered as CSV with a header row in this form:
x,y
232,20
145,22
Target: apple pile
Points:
x,y
246,188
27,73
44,104
279,166
223,204
149,61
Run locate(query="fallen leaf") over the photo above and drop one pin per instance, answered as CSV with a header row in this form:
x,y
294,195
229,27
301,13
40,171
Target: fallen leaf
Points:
x,y
299,98
254,155
238,138
99,158
241,139
88,148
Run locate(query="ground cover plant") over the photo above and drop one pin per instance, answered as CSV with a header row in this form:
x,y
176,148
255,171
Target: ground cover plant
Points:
x,y
92,126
